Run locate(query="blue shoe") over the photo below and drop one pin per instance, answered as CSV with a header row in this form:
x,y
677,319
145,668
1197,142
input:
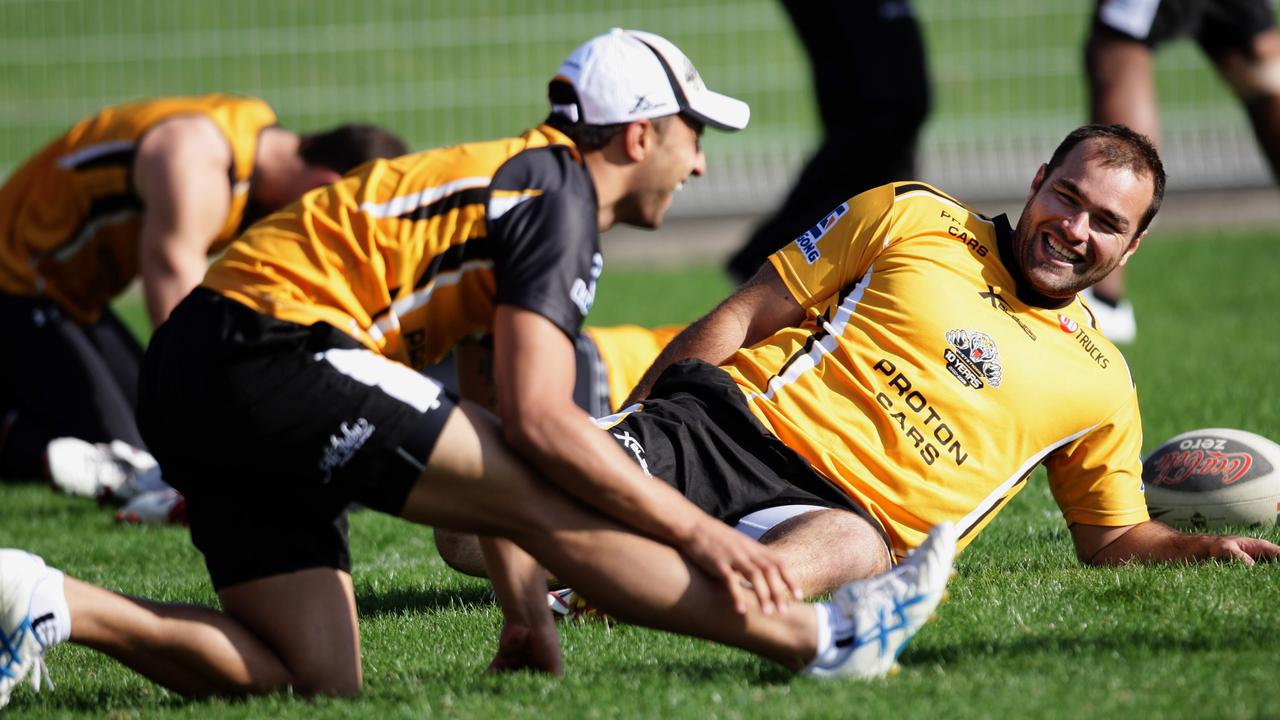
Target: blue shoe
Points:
x,y
21,645
885,611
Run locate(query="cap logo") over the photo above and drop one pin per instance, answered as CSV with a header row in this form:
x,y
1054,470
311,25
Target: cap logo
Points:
x,y
642,104
691,77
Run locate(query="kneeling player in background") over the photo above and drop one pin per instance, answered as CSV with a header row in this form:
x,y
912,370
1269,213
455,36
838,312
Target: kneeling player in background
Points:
x,y
142,190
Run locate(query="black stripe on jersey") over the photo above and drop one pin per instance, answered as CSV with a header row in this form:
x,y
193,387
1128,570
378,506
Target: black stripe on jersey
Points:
x,y
996,506
805,349
450,259
816,336
453,257
448,203
116,158
106,206
913,187
110,204
99,210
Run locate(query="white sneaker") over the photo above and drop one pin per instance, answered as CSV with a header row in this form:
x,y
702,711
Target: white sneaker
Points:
x,y
565,604
22,645
561,602
885,611
114,471
156,506
1117,321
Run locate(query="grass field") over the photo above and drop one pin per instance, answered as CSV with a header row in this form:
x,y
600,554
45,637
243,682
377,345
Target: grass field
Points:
x,y
1027,632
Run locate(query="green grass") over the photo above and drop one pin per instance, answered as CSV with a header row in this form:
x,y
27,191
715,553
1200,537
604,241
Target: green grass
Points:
x,y
1028,632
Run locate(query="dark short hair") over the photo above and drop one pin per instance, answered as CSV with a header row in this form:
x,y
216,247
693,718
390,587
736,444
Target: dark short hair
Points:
x,y
1119,146
586,137
348,146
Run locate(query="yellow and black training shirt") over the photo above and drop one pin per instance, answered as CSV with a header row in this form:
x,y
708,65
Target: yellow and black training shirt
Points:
x,y
626,352
70,218
927,385
412,254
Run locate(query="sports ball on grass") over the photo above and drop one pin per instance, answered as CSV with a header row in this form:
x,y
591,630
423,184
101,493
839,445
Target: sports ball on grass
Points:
x,y
1214,477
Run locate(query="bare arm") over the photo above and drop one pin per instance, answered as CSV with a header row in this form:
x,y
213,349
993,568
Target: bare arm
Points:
x,y
534,368
755,311
1153,542
181,175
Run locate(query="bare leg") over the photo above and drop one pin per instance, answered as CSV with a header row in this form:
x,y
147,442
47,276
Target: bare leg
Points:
x,y
1122,90
292,630
461,551
825,549
529,639
300,629
1254,75
473,481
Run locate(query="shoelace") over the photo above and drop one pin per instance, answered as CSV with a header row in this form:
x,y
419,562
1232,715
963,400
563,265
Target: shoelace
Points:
x,y
39,670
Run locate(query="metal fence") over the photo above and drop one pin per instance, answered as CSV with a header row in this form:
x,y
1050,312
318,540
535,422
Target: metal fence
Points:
x,y
1007,78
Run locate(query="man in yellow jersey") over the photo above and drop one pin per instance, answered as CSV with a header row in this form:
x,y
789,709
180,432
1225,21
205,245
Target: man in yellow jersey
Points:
x,y
148,190
908,361
285,388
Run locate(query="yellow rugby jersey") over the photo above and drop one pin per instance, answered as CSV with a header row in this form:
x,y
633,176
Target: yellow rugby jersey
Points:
x,y
70,218
412,254
927,386
627,351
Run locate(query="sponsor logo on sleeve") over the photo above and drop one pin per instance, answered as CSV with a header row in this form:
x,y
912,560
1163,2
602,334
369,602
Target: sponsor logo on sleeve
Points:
x,y
1087,343
973,358
808,240
583,293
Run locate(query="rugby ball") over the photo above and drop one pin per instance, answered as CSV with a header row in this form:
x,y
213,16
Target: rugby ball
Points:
x,y
1213,477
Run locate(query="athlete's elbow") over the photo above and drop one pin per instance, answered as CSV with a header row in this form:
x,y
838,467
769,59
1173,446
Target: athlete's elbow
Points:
x,y
527,429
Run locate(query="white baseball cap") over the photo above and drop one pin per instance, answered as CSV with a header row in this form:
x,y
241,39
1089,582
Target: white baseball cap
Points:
x,y
627,75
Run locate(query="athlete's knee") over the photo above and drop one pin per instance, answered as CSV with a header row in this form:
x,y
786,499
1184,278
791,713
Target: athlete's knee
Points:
x,y
850,548
461,551
1253,72
321,675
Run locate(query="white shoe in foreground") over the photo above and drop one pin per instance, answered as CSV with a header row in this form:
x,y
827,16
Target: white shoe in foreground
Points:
x,y
109,471
21,644
885,611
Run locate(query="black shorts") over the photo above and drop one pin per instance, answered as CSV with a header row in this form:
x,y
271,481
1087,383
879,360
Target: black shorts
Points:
x,y
696,433
66,378
271,429
1217,25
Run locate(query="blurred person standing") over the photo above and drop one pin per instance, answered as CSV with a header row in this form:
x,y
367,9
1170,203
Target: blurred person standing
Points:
x,y
872,86
1238,36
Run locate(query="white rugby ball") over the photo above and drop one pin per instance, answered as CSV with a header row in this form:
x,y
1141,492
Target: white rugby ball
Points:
x,y
1214,477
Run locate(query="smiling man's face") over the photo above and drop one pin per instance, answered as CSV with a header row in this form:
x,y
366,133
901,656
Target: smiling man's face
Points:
x,y
1080,222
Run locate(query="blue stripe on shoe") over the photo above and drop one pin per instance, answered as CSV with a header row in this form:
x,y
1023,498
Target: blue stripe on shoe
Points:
x,y
9,646
882,631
